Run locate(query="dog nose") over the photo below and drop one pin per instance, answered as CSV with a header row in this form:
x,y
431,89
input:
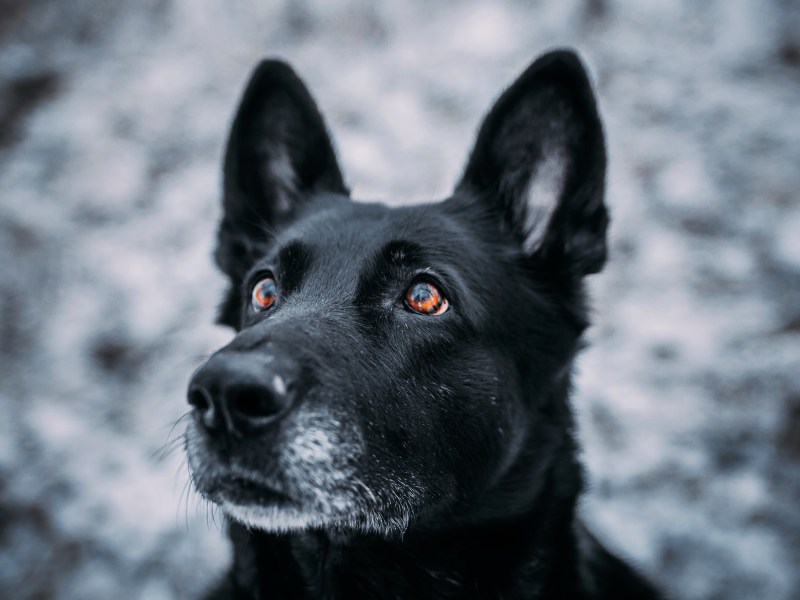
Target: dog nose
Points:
x,y
241,391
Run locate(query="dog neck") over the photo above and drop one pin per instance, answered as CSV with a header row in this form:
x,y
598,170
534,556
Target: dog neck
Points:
x,y
520,537
525,555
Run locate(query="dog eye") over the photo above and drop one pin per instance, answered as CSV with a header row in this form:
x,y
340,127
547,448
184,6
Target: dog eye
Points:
x,y
264,294
425,298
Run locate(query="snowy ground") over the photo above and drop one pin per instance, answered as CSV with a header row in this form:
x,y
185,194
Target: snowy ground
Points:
x,y
112,116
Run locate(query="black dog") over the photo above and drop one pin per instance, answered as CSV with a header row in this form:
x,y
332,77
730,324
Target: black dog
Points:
x,y
392,418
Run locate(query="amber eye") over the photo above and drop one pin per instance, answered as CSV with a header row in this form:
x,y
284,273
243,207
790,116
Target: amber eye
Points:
x,y
425,298
264,294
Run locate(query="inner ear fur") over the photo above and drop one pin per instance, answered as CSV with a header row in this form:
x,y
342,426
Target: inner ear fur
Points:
x,y
279,153
539,161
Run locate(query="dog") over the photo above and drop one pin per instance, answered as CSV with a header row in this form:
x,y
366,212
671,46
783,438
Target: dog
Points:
x,y
392,417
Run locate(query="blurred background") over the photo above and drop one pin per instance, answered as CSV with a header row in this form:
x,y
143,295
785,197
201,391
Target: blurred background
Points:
x,y
113,117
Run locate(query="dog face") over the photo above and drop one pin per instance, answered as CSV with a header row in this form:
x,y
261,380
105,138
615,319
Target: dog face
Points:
x,y
398,365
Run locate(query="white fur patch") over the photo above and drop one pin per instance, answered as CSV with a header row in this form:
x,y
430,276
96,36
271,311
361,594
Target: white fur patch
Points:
x,y
542,197
268,518
317,465
274,519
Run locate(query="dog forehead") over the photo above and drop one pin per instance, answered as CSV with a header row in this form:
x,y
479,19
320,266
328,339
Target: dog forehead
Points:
x,y
354,230
349,246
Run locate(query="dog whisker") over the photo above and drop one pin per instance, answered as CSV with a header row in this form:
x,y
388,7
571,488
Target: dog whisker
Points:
x,y
171,443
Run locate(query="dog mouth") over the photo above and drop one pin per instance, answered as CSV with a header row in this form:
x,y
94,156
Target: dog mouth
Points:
x,y
299,475
245,491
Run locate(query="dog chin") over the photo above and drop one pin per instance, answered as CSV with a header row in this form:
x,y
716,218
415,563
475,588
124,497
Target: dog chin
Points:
x,y
271,519
289,519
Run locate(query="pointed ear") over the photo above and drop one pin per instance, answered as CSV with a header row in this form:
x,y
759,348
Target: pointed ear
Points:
x,y
539,161
279,153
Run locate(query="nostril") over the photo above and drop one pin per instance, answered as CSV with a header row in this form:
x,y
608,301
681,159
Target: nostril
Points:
x,y
238,392
201,400
255,402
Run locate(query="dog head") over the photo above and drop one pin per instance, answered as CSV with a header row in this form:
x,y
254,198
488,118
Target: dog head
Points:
x,y
406,364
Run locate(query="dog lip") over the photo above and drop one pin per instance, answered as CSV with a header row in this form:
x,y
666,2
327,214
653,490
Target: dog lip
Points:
x,y
236,489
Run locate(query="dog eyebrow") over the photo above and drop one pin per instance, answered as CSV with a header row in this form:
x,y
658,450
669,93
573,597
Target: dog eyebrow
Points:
x,y
294,259
392,261
400,253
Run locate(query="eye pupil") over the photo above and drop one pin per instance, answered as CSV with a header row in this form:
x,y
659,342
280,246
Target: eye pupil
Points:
x,y
420,293
264,294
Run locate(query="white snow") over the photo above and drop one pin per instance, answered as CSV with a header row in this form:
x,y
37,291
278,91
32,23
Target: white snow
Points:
x,y
110,197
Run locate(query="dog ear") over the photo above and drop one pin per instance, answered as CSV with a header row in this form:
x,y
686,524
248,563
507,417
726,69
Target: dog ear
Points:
x,y
540,160
279,152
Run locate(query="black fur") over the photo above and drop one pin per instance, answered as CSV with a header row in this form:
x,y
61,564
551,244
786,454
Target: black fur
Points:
x,y
363,450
